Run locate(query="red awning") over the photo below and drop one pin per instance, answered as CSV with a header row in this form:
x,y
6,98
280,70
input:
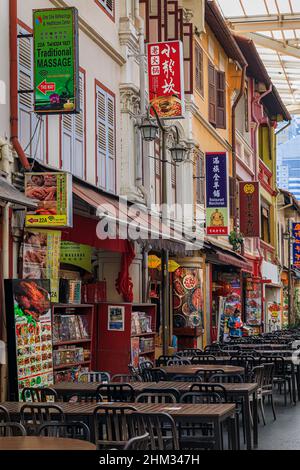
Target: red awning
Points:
x,y
233,261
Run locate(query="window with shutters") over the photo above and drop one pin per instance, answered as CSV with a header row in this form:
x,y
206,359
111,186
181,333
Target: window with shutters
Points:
x,y
265,222
32,128
199,69
212,112
73,136
221,100
108,6
106,159
199,178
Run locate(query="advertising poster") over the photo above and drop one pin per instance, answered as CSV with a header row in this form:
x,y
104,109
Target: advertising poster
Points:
x,y
77,255
41,253
249,209
116,318
166,79
29,323
217,200
56,61
253,303
53,193
135,351
274,316
187,298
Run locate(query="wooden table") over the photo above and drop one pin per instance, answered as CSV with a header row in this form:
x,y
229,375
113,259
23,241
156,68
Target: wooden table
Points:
x,y
239,390
192,369
217,414
44,443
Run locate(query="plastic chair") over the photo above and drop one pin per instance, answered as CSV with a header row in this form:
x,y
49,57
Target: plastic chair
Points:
x,y
177,361
124,378
163,360
205,358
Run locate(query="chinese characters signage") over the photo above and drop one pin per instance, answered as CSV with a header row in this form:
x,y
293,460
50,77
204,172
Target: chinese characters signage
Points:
x,y
53,192
56,61
249,209
166,78
296,245
217,208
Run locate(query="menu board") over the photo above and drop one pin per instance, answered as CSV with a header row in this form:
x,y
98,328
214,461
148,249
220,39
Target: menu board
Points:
x,y
187,298
253,303
41,254
29,324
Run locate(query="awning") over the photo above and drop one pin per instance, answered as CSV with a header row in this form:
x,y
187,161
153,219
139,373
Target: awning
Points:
x,y
8,193
133,222
218,255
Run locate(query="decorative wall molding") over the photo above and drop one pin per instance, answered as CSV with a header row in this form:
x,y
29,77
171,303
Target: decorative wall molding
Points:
x,y
130,99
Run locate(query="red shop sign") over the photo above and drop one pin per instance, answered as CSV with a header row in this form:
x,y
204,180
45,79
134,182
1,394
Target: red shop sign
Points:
x,y
166,78
249,209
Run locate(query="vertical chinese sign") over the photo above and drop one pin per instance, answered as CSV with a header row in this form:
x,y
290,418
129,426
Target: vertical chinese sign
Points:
x,y
217,200
249,209
56,61
166,78
296,245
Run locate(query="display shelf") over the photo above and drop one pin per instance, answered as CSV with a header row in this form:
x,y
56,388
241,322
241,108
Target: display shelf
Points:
x,y
70,366
74,341
69,321
143,334
147,352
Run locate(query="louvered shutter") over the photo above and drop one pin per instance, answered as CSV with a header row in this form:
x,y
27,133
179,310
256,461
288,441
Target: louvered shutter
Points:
x,y
212,94
79,128
174,183
110,143
32,139
233,191
221,100
199,69
101,138
108,5
73,137
200,196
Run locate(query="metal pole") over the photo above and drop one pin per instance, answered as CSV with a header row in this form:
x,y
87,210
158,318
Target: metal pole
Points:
x,y
165,252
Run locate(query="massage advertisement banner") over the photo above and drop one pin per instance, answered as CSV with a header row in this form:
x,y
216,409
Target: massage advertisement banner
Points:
x,y
56,61
166,79
53,193
217,189
76,255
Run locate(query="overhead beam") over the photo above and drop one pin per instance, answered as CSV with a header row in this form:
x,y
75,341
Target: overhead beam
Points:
x,y
294,108
273,44
256,23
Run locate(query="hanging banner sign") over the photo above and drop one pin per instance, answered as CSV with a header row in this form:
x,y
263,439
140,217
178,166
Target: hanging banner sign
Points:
x,y
296,254
41,251
56,61
166,79
249,209
53,192
296,231
77,255
217,200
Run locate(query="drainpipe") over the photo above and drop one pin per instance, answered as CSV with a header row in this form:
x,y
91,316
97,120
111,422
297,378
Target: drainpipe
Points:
x,y
13,44
234,106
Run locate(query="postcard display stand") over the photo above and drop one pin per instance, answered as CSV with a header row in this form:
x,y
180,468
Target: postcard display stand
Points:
x,y
125,334
73,327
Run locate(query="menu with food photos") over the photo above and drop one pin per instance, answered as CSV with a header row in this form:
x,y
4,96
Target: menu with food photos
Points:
x,y
29,323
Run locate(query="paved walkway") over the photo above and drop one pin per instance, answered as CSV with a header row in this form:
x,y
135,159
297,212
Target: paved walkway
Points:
x,y
284,433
